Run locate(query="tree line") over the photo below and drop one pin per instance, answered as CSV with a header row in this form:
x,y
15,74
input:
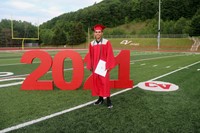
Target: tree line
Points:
x,y
177,17
21,29
175,14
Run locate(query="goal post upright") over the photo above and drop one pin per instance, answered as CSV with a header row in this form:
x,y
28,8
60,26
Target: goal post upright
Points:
x,y
23,38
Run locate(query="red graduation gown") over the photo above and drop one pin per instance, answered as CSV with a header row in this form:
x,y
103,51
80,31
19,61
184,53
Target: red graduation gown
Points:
x,y
102,50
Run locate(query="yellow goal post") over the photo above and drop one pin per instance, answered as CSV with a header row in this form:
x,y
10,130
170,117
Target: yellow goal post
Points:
x,y
23,39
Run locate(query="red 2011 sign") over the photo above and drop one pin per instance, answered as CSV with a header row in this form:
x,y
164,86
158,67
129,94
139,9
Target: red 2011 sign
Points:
x,y
32,81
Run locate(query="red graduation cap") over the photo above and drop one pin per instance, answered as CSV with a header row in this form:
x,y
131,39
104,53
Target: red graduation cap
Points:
x,y
99,27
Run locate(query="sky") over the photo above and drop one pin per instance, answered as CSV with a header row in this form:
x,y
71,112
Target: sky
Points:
x,y
39,11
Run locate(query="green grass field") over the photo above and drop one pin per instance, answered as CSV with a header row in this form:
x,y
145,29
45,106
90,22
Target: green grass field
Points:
x,y
135,110
150,44
147,44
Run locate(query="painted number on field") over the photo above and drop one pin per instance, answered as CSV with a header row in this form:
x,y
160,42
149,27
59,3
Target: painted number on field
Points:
x,y
16,81
158,86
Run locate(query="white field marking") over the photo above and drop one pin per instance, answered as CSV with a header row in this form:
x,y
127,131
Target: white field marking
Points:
x,y
23,64
142,64
11,59
2,74
157,58
167,66
11,84
155,65
175,71
198,69
47,49
83,105
131,62
15,64
15,76
80,52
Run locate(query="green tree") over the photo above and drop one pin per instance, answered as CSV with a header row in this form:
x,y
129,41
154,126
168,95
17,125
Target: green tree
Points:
x,y
151,27
117,32
59,37
180,26
46,36
168,27
76,34
195,26
21,29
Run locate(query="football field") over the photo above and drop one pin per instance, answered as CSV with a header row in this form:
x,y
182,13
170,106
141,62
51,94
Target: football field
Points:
x,y
135,109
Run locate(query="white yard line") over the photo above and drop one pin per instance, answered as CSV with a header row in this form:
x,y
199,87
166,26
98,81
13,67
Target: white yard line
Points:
x,y
167,66
16,76
83,105
15,64
157,58
142,64
132,62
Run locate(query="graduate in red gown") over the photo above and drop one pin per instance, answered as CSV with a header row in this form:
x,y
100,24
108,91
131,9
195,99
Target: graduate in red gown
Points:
x,y
100,49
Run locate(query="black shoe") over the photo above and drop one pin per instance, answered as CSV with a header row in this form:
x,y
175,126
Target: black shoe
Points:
x,y
99,101
109,103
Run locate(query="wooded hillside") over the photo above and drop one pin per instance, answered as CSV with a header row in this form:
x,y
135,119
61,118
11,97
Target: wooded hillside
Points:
x,y
177,17
116,12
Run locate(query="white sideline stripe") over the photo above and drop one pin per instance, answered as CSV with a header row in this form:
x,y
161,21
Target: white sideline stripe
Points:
x,y
83,105
45,117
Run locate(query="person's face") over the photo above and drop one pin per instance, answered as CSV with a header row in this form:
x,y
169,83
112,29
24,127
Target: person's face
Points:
x,y
98,34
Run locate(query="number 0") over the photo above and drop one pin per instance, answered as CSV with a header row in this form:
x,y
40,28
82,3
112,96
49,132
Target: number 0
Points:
x,y
57,70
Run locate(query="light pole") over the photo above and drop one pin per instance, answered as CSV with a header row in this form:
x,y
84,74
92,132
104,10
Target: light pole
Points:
x,y
159,13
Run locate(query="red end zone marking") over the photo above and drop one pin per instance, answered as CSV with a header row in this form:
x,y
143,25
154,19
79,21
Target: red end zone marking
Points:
x,y
158,86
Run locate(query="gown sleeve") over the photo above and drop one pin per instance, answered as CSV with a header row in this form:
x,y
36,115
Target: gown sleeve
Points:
x,y
110,60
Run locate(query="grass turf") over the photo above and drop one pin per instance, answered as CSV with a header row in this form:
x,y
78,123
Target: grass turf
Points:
x,y
134,111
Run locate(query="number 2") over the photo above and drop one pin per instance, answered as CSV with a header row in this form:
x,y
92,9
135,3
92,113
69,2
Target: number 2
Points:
x,y
31,82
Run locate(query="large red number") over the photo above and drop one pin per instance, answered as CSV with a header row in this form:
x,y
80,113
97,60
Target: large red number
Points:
x,y
32,82
88,83
123,61
78,69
